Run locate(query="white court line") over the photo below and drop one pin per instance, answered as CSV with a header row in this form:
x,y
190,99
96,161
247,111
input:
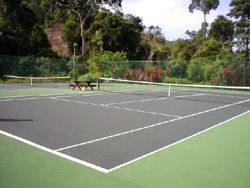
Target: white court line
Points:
x,y
138,91
135,101
55,152
143,91
180,141
98,168
46,95
228,96
6,100
183,96
20,96
153,99
25,99
79,102
17,99
219,93
82,95
115,107
140,111
150,126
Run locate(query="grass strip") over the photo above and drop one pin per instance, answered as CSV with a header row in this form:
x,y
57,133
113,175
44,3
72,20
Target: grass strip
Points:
x,y
38,92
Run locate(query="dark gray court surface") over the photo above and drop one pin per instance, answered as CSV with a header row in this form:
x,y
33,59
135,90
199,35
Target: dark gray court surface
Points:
x,y
109,130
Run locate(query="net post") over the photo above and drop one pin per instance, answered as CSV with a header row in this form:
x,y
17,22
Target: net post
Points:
x,y
98,84
169,90
69,83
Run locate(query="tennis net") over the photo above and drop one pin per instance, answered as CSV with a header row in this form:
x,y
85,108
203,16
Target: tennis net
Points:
x,y
169,89
16,81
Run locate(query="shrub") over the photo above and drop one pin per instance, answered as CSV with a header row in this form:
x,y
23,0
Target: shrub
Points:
x,y
176,80
195,71
233,75
154,75
88,77
109,64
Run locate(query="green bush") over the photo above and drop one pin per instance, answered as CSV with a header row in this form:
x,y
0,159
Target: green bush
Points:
x,y
174,80
17,81
170,80
88,77
195,71
109,64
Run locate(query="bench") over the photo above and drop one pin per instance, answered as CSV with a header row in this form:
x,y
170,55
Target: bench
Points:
x,y
79,85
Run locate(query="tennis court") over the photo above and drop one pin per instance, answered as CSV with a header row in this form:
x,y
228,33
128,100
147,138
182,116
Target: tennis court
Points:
x,y
109,130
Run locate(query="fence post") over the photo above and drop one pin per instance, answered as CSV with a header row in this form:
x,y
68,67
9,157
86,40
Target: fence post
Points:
x,y
162,71
244,73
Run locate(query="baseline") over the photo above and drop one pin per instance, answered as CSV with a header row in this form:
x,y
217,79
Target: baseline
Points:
x,y
93,166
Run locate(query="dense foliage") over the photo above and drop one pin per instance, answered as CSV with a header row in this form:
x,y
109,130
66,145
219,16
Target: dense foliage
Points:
x,y
102,41
21,32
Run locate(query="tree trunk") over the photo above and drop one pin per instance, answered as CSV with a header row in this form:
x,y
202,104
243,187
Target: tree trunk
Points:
x,y
204,25
83,50
150,57
83,45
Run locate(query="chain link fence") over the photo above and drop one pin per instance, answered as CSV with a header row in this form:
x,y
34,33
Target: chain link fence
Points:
x,y
32,66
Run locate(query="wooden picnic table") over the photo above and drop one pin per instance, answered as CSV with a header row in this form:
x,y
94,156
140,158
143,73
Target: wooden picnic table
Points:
x,y
79,85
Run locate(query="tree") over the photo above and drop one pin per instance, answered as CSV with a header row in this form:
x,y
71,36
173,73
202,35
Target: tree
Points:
x,y
71,32
241,12
21,33
84,9
195,39
115,32
195,71
177,69
39,42
132,37
210,50
35,6
205,6
222,29
156,41
182,50
109,64
52,13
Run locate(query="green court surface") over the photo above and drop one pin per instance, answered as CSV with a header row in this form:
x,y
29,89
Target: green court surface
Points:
x,y
110,87
219,158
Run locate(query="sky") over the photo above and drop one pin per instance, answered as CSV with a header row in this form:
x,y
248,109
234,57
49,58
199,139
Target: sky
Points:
x,y
172,16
